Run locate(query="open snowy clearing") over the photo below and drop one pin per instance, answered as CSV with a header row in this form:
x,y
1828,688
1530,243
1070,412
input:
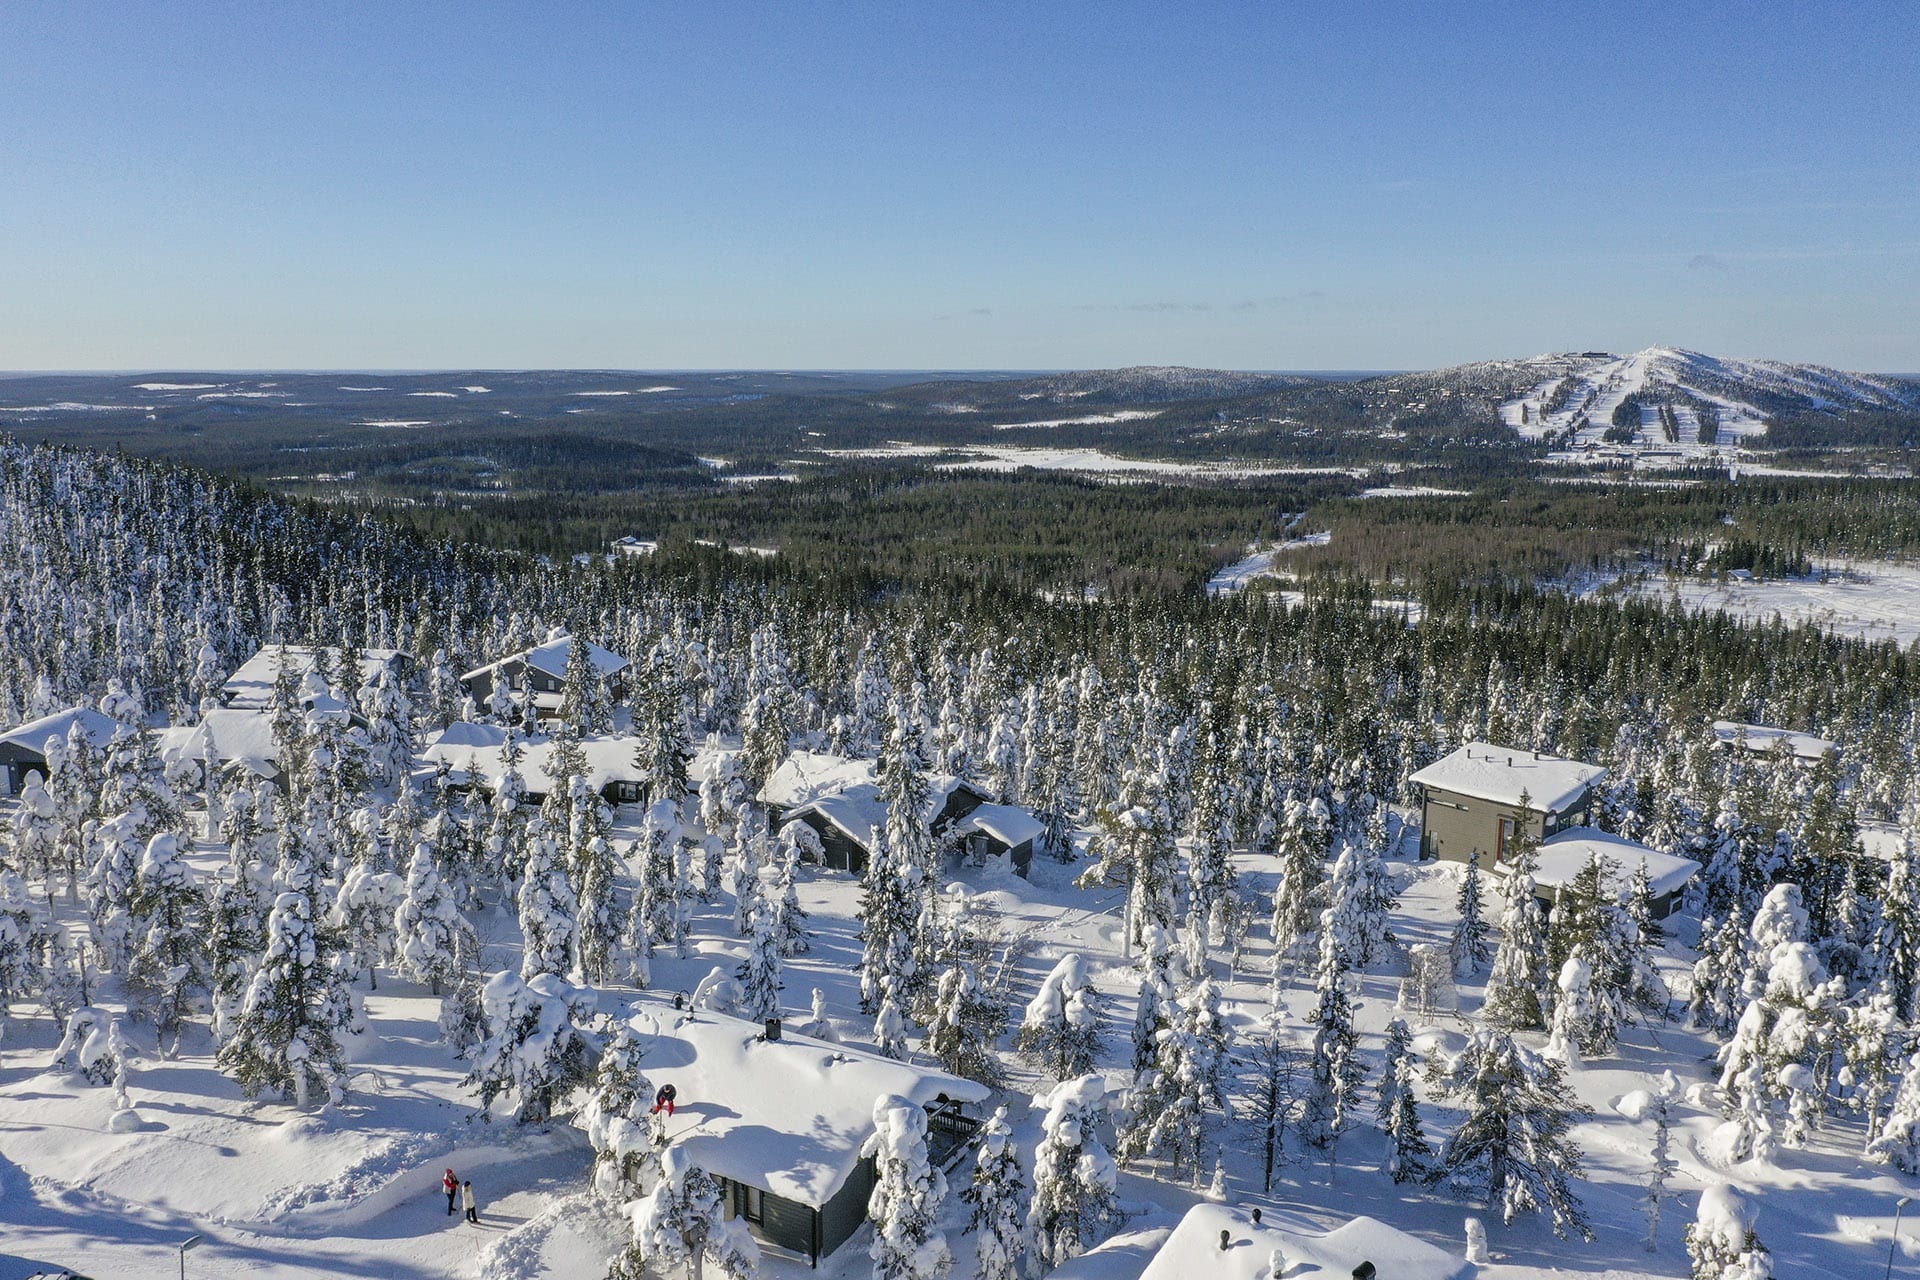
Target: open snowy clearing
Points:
x,y
1875,600
1260,564
1118,415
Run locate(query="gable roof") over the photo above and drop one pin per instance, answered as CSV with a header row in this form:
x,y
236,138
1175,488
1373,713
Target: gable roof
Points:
x,y
476,753
1762,738
551,659
860,809
788,1116
32,736
1563,854
1194,1249
806,776
1500,774
251,687
1008,823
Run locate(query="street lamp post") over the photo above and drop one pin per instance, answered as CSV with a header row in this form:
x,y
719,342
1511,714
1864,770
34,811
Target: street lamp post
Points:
x,y
1899,1207
189,1243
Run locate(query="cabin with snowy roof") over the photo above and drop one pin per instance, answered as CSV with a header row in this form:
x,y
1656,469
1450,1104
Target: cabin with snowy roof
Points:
x,y
995,829
251,687
846,820
779,1119
1223,1243
475,756
23,751
227,740
1564,854
1761,739
1475,799
541,672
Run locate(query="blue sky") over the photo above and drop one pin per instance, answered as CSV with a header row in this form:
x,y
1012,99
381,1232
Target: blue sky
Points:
x,y
953,186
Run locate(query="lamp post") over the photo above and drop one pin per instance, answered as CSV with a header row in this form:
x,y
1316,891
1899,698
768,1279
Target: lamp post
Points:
x,y
189,1243
1899,1207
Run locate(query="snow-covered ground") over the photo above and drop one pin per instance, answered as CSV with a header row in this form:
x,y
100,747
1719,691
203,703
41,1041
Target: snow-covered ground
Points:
x,y
1118,415
1876,600
353,1191
1260,564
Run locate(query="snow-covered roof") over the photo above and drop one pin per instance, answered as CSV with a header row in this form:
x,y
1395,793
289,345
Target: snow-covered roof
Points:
x,y
1564,853
789,1116
226,735
477,753
1883,840
1008,823
805,776
1194,1249
251,687
551,658
1122,1256
860,809
33,735
1501,774
1763,738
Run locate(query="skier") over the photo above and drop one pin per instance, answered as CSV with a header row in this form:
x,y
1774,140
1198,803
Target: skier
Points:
x,y
664,1098
466,1196
451,1185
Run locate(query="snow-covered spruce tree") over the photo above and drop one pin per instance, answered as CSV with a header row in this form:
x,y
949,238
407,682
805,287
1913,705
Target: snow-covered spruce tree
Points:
x,y
1409,1158
1074,1178
27,933
1170,1103
1570,1026
1468,943
584,700
597,915
1588,924
547,906
1872,1042
1897,937
109,886
890,903
661,750
789,917
1335,1068
619,1128
1060,1032
1154,999
890,1020
1720,975
1721,1243
964,1022
1512,1150
683,1223
287,1033
363,918
759,973
999,1196
1663,1166
1777,1059
1137,848
1899,1139
1514,987
1213,885
236,935
1374,899
750,854
388,713
1302,847
534,1051
434,941
169,969
908,1195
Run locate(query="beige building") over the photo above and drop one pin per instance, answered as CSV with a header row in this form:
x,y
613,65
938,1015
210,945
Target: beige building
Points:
x,y
1474,799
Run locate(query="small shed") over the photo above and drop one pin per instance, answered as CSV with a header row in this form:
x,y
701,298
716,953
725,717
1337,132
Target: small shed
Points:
x,y
23,751
779,1119
995,829
1473,799
1222,1243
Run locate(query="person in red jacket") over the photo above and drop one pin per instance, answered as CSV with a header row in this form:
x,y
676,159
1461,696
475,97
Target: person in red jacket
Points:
x,y
664,1099
451,1185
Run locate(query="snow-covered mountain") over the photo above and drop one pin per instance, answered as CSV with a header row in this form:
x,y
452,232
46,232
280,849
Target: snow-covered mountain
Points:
x,y
1670,400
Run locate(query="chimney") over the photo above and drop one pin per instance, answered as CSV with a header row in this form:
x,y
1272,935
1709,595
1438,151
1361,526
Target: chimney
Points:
x,y
1226,1240
1256,1217
773,1030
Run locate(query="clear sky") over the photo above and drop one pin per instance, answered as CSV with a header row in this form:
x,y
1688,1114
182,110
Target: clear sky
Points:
x,y
970,185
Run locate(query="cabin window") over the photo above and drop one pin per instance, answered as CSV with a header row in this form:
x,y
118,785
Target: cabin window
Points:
x,y
753,1205
1506,834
